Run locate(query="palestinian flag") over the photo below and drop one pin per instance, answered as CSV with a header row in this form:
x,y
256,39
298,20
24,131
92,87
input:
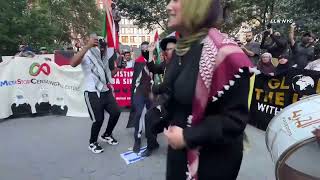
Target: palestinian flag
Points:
x,y
157,77
109,31
157,43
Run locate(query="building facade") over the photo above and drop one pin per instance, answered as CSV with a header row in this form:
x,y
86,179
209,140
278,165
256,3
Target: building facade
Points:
x,y
131,35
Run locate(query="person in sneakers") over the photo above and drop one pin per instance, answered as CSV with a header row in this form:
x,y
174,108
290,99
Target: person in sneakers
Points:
x,y
141,95
98,71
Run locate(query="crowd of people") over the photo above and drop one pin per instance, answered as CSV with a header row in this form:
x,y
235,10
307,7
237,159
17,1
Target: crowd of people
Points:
x,y
193,104
192,96
276,53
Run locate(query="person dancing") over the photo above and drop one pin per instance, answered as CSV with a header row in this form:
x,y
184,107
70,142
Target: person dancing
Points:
x,y
208,85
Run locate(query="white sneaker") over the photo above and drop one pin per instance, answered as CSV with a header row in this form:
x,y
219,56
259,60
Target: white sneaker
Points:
x,y
95,148
109,139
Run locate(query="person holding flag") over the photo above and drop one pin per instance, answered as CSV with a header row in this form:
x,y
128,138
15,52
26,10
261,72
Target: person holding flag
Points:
x,y
97,62
141,95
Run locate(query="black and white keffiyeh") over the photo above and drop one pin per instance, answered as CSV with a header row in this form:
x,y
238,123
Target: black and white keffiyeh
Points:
x,y
100,69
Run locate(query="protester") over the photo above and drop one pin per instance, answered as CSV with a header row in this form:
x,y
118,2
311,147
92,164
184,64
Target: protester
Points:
x,y
265,65
252,48
141,91
43,50
302,52
156,113
168,45
25,51
208,84
127,58
98,69
278,44
284,65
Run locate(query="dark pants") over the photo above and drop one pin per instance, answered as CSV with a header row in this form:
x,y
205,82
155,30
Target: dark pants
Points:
x,y
151,118
96,107
139,101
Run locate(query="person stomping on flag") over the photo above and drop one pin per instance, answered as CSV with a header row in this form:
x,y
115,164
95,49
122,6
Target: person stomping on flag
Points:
x,y
141,92
98,71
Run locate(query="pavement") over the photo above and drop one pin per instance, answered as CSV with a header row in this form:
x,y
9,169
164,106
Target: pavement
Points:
x,y
56,148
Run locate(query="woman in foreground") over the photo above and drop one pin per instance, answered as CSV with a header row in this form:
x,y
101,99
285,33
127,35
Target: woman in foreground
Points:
x,y
208,82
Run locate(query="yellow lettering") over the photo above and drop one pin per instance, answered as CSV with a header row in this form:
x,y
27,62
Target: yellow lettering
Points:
x,y
283,86
279,98
269,97
258,94
318,87
295,97
274,84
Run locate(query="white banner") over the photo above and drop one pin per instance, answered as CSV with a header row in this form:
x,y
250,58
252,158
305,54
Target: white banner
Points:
x,y
34,85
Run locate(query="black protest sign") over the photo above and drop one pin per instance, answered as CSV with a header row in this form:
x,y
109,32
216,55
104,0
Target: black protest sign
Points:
x,y
273,93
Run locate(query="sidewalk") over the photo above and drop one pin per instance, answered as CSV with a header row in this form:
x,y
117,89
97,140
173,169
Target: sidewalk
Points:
x,y
55,148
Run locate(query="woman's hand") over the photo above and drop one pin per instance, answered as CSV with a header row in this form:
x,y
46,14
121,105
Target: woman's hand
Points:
x,y
317,134
175,137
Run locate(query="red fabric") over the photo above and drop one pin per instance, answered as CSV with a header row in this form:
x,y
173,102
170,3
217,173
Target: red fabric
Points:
x,y
222,70
156,37
122,87
117,43
140,59
109,29
63,57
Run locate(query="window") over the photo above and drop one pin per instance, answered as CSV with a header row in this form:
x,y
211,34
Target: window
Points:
x,y
148,38
136,39
143,38
124,39
132,39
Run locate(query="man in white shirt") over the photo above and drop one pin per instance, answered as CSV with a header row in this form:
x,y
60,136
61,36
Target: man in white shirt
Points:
x,y
127,58
98,94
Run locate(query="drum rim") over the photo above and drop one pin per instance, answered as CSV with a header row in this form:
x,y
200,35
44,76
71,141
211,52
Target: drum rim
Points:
x,y
289,151
305,99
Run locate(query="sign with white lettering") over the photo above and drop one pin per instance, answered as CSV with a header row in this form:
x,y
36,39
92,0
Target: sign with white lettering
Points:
x,y
272,94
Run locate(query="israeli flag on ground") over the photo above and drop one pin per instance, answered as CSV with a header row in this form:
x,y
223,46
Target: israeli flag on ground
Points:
x,y
130,157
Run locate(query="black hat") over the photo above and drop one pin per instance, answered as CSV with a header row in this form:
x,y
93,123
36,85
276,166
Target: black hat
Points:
x,y
165,41
310,34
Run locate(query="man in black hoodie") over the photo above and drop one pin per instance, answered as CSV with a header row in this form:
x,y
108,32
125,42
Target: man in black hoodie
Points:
x,y
141,91
278,44
302,52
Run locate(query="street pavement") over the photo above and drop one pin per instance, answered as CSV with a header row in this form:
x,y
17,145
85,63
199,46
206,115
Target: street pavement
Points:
x,y
56,148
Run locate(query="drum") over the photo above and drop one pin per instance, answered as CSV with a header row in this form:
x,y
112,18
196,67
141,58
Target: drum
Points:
x,y
291,143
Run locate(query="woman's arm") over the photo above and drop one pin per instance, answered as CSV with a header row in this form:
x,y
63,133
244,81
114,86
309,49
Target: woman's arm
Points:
x,y
156,68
